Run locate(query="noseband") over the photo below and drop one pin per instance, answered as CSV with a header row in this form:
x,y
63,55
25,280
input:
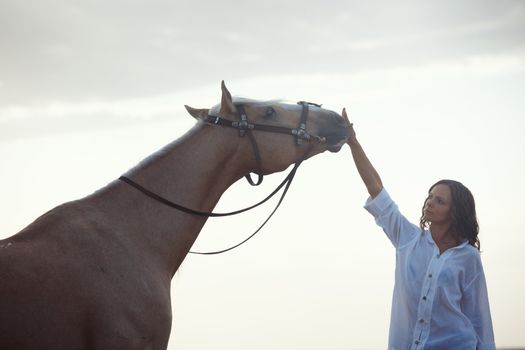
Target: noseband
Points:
x,y
244,128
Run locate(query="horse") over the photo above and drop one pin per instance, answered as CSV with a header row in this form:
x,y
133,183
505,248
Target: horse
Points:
x,y
95,273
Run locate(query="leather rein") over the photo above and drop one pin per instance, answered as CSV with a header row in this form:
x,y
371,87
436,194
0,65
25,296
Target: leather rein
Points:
x,y
246,128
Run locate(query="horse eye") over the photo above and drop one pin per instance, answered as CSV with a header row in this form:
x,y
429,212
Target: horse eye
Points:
x,y
270,112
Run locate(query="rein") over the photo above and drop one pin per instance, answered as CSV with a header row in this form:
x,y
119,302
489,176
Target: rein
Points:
x,y
245,127
286,183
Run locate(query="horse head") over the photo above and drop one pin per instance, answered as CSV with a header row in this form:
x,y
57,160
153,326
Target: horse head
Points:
x,y
281,133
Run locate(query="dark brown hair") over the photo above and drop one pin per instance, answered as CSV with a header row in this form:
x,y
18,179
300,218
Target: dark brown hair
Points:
x,y
463,213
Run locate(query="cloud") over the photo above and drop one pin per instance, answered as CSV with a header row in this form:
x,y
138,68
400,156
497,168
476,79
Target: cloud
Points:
x,y
22,121
330,88
77,51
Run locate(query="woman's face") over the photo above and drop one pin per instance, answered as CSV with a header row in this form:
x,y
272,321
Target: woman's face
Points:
x,y
438,205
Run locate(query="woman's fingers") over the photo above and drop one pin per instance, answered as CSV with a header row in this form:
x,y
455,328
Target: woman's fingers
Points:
x,y
345,115
350,125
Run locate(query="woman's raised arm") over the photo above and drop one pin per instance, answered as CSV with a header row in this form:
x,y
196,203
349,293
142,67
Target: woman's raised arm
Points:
x,y
366,170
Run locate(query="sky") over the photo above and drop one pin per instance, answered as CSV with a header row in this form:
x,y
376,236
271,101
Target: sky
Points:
x,y
435,90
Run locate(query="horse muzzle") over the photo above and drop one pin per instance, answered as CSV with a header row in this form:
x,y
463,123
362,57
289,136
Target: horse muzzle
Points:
x,y
335,142
335,133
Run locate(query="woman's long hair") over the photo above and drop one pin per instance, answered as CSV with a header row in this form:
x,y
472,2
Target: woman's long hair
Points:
x,y
463,213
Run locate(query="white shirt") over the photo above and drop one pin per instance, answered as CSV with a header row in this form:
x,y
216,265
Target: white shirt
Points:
x,y
440,300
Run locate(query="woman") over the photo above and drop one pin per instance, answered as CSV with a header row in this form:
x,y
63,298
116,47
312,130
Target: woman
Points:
x,y
440,296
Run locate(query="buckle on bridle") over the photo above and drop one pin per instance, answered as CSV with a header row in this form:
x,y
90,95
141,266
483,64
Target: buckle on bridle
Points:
x,y
301,134
243,125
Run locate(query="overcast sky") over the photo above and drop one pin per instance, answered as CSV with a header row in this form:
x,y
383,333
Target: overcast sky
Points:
x,y
435,89
100,50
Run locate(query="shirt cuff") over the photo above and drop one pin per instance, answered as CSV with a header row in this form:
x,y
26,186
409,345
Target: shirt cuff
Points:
x,y
377,205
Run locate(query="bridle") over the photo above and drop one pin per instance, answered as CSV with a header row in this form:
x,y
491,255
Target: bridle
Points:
x,y
246,128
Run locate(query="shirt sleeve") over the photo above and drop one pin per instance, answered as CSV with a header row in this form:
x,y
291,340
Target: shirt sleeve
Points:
x,y
387,215
475,305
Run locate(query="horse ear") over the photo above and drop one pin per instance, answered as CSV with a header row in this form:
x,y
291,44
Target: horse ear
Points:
x,y
227,106
198,113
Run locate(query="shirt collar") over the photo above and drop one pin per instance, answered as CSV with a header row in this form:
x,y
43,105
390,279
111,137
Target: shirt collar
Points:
x,y
428,235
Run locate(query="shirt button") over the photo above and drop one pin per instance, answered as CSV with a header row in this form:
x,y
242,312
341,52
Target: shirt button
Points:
x,y
429,275
421,321
417,342
424,298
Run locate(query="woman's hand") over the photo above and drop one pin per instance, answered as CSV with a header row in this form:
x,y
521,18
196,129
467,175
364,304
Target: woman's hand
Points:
x,y
352,138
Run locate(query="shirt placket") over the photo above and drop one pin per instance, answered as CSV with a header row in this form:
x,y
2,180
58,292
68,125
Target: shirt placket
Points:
x,y
426,300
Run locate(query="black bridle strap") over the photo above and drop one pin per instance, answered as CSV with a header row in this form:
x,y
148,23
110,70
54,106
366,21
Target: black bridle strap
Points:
x,y
288,183
301,130
258,161
244,128
204,213
261,127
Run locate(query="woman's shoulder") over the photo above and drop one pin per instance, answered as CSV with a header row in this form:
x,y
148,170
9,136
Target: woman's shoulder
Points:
x,y
470,250
469,255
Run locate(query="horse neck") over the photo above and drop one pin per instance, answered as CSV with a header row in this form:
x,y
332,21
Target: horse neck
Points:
x,y
193,171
